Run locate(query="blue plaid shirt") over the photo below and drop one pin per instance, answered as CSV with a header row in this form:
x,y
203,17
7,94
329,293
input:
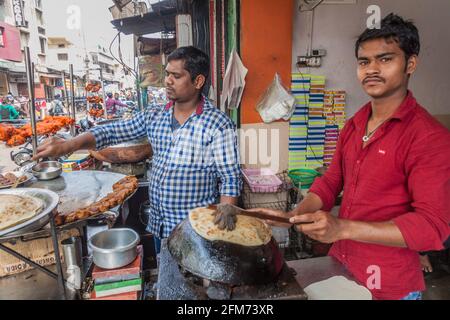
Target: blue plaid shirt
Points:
x,y
191,167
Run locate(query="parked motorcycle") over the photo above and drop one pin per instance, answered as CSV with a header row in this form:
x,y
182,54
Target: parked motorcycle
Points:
x,y
83,125
24,154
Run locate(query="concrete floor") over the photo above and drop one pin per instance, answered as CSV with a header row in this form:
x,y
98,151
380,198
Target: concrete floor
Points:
x,y
438,281
438,286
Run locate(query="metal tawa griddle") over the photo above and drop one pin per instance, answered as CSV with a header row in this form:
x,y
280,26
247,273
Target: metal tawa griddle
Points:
x,y
176,284
79,189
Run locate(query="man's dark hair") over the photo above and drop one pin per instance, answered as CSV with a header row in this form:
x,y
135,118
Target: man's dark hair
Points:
x,y
394,27
196,62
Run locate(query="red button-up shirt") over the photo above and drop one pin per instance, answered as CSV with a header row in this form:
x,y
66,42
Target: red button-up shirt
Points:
x,y
402,175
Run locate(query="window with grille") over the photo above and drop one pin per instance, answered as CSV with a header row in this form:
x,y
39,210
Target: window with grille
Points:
x,y
42,41
2,37
63,57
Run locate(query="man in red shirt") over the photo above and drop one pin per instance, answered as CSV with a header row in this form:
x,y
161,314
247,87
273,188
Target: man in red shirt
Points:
x,y
393,162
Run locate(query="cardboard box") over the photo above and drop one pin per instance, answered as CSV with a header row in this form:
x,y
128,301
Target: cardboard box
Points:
x,y
40,251
88,164
77,158
133,268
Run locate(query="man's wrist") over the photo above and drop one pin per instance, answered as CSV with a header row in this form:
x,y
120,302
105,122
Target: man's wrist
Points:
x,y
345,229
67,148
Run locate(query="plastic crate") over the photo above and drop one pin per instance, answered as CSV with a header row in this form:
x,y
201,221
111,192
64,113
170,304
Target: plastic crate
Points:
x,y
284,197
262,180
304,177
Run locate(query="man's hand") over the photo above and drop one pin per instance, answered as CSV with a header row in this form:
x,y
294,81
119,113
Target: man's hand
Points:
x,y
52,148
56,147
274,213
320,226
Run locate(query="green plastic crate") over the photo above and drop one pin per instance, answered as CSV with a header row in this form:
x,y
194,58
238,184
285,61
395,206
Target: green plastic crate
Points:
x,y
303,177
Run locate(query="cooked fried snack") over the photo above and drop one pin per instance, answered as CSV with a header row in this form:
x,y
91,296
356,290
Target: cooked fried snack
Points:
x,y
122,189
4,181
17,136
11,177
59,220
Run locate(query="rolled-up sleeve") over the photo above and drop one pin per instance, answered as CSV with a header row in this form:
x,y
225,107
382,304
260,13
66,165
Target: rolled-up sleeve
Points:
x,y
122,131
330,185
227,161
426,227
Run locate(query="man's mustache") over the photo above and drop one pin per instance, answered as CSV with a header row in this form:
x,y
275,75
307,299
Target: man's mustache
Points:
x,y
367,79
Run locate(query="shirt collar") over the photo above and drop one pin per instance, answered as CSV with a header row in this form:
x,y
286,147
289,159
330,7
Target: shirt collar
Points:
x,y
406,107
402,111
200,108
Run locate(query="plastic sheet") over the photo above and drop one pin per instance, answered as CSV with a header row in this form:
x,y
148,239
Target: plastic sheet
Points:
x,y
276,103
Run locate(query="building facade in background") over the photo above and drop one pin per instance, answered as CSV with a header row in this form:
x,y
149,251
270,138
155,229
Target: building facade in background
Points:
x,y
11,60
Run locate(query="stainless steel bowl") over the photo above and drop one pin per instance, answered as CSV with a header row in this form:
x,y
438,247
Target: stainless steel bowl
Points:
x,y
47,170
114,248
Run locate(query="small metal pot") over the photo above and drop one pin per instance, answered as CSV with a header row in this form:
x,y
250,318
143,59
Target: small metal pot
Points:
x,y
114,248
47,170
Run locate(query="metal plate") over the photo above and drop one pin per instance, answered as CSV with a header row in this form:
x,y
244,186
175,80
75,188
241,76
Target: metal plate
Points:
x,y
50,199
18,175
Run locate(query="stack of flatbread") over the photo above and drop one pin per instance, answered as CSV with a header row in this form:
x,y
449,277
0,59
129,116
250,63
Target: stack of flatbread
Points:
x,y
16,209
249,231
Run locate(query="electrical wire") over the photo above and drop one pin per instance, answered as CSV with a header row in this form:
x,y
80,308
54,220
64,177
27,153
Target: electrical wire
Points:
x,y
123,63
134,74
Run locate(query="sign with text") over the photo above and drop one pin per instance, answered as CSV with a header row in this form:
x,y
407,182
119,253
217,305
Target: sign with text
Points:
x,y
18,13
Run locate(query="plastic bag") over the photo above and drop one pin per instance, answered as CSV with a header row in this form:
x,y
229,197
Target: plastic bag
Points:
x,y
276,103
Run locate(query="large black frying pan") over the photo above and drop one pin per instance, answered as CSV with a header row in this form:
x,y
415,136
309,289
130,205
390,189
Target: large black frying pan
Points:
x,y
224,262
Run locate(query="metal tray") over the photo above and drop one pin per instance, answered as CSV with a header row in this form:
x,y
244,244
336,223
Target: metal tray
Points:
x,y
80,189
18,174
50,199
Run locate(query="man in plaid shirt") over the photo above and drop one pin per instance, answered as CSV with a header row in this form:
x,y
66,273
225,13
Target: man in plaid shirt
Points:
x,y
195,161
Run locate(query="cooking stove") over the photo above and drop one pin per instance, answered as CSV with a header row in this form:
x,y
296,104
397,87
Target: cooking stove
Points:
x,y
174,283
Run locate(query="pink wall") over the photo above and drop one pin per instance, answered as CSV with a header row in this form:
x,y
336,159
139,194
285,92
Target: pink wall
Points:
x,y
11,39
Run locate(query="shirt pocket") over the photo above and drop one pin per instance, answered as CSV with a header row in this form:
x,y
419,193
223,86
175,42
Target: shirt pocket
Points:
x,y
191,153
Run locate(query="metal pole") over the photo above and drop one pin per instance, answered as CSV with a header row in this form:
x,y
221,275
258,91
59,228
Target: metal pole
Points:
x,y
72,89
66,94
138,76
30,80
88,105
103,94
59,270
